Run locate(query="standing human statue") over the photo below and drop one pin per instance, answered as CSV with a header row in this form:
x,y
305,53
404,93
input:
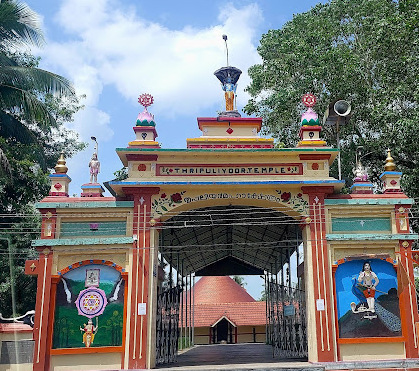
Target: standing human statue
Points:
x,y
94,165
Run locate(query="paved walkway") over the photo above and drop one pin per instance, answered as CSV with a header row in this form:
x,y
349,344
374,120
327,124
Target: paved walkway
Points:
x,y
234,357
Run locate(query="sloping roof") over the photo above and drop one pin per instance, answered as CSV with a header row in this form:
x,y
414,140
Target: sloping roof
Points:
x,y
221,296
219,289
241,314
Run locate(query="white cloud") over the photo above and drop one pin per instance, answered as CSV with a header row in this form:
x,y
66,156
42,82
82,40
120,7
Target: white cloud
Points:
x,y
111,45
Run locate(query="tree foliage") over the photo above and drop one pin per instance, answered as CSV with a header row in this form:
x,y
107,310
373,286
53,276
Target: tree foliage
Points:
x,y
364,51
34,105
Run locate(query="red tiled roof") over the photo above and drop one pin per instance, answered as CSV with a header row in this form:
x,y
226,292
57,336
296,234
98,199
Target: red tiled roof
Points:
x,y
218,296
241,314
219,289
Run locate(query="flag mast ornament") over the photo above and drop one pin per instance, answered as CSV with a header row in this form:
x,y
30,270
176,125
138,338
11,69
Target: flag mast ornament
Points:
x,y
228,77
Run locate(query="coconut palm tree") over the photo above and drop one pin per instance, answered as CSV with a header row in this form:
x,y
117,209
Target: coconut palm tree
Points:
x,y
23,114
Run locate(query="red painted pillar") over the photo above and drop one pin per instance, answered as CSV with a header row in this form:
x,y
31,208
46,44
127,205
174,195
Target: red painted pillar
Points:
x,y
42,311
321,273
137,351
407,299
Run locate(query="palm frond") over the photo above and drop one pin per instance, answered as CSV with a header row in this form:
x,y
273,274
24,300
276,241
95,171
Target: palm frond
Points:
x,y
19,25
26,106
35,79
11,127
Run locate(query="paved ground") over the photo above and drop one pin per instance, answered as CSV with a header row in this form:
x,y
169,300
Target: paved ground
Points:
x,y
234,357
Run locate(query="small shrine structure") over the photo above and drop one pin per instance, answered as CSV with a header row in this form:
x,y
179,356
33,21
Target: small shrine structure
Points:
x,y
230,203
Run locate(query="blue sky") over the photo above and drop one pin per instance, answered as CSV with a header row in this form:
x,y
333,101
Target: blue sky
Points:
x,y
114,50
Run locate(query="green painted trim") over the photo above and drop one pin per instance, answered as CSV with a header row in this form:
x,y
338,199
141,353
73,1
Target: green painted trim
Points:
x,y
378,237
83,204
361,224
370,201
83,241
75,229
215,151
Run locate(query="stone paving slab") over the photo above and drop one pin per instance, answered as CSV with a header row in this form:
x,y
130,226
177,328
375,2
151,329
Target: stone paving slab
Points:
x,y
238,357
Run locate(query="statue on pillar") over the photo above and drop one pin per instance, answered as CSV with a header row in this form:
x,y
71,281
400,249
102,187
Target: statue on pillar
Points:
x,y
94,164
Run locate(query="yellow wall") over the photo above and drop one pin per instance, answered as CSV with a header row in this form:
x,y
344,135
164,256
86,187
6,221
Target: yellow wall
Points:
x,y
244,334
364,352
93,361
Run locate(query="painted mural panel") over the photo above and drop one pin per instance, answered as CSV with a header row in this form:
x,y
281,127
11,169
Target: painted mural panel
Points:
x,y
367,301
89,308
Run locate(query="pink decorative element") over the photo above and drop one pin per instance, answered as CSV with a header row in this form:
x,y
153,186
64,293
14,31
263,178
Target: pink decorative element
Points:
x,y
393,182
309,115
142,167
58,186
94,226
146,100
315,166
145,115
229,130
91,302
309,99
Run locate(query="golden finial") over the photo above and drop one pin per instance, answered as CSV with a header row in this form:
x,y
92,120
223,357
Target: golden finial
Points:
x,y
390,165
60,168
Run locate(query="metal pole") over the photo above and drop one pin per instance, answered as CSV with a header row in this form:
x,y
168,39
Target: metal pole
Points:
x,y
338,146
182,307
193,312
190,309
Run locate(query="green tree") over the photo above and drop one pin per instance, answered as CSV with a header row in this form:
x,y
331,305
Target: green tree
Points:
x,y
34,105
364,51
240,280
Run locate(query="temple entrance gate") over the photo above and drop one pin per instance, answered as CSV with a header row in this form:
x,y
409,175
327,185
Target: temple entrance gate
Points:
x,y
230,203
235,240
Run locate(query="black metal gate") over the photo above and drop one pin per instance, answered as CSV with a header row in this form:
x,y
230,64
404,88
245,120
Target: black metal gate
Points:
x,y
286,321
167,327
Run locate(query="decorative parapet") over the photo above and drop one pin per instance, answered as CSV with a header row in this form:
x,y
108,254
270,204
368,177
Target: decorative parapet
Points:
x,y
83,241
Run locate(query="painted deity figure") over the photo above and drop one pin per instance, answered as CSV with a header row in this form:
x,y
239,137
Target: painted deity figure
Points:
x,y
89,332
366,286
94,165
229,93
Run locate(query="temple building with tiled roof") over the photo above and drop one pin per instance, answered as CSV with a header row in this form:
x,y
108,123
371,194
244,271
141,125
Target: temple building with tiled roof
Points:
x,y
223,312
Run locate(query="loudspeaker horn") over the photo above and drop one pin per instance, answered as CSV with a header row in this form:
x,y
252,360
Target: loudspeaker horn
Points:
x,y
342,108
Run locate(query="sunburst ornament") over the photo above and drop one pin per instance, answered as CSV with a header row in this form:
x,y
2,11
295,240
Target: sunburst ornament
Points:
x,y
146,100
309,100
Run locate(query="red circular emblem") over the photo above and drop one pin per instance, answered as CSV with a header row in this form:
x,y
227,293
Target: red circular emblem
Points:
x,y
309,100
142,167
146,100
315,166
58,186
393,182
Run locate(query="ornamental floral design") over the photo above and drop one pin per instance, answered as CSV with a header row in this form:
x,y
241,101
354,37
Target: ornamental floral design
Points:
x,y
166,202
295,201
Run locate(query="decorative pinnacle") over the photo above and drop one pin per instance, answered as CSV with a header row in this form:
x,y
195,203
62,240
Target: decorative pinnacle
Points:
x,y
309,100
61,168
146,100
390,165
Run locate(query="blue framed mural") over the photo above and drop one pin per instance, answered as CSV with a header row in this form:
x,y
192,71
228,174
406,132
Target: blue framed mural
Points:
x,y
367,301
89,308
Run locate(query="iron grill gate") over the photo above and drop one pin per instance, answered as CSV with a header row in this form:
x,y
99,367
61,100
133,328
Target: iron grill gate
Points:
x,y
286,313
167,327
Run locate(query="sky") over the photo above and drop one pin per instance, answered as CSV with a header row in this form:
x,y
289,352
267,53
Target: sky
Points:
x,y
115,50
